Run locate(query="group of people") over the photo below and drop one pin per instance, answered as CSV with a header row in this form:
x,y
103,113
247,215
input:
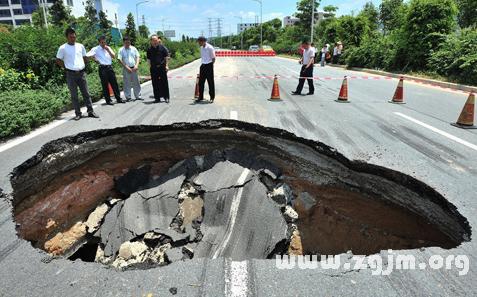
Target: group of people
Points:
x,y
72,57
309,58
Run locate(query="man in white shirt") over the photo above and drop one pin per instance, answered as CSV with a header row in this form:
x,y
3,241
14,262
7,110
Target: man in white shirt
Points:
x,y
207,54
308,61
104,55
129,57
72,57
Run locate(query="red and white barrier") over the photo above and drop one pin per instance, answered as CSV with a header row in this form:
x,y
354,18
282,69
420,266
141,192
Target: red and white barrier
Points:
x,y
222,53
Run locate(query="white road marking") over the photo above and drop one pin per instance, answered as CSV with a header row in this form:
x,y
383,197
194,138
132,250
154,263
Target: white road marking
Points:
x,y
236,279
445,134
232,214
35,133
233,115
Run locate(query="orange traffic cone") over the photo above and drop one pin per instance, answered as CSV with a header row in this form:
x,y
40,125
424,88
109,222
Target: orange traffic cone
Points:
x,y
275,90
197,92
343,97
466,118
110,89
398,97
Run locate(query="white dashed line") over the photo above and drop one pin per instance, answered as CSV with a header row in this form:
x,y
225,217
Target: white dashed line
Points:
x,y
233,115
236,279
234,207
445,134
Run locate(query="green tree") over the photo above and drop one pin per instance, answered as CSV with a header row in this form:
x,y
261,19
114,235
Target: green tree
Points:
x,y
427,23
37,18
105,25
304,12
371,13
391,14
131,28
330,11
60,15
90,12
144,31
467,13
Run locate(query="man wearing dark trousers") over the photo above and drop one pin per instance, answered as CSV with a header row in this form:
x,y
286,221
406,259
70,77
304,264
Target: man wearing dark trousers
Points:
x,y
104,55
71,56
158,59
306,72
207,54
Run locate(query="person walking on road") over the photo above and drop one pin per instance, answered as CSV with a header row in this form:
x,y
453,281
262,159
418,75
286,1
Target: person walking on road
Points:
x,y
72,57
130,58
337,52
207,53
104,56
158,59
324,52
306,72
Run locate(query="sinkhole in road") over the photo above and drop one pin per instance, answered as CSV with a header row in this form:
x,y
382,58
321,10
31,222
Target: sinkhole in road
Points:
x,y
146,196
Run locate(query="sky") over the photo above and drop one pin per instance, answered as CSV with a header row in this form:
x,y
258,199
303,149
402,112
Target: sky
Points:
x,y
190,17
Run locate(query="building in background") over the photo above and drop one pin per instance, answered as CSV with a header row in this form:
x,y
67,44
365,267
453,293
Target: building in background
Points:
x,y
244,26
291,21
18,12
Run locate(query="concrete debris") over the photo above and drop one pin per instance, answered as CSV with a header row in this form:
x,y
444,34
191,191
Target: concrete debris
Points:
x,y
290,214
65,241
261,224
188,251
282,195
135,216
96,217
223,175
130,250
296,247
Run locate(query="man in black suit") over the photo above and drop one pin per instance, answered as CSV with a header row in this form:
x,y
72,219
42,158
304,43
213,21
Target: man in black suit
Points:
x,y
158,59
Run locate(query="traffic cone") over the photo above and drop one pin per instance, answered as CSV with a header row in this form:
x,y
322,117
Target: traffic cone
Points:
x,y
466,118
398,97
197,92
275,90
110,89
343,96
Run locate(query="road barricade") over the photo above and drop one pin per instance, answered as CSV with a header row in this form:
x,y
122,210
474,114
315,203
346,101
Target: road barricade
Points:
x,y
222,53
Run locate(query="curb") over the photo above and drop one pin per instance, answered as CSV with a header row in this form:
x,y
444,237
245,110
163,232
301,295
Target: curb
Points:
x,y
427,81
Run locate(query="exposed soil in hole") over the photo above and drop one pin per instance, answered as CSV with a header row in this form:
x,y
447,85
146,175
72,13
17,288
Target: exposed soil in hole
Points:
x,y
139,197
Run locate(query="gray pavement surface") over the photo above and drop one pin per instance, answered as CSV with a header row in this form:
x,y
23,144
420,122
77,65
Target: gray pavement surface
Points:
x,y
407,138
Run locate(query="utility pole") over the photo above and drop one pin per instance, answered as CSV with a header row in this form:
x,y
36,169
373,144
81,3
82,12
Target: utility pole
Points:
x,y
116,20
143,21
241,33
210,30
219,30
312,19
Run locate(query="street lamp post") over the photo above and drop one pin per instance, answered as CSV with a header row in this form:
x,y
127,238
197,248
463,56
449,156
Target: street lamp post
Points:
x,y
45,18
261,21
241,35
312,18
137,13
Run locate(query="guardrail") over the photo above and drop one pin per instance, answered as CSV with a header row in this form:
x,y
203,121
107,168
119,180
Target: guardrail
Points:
x,y
245,54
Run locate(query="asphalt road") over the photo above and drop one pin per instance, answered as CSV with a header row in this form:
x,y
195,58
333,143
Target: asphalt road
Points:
x,y
414,138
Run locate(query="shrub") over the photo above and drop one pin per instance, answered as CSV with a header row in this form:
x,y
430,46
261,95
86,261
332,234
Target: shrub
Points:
x,y
12,80
20,111
456,57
